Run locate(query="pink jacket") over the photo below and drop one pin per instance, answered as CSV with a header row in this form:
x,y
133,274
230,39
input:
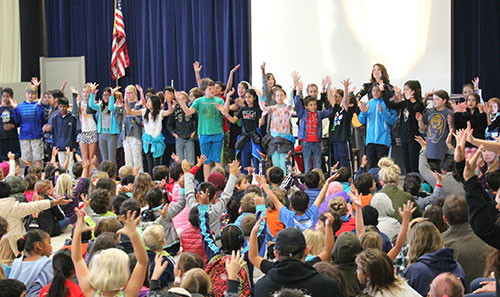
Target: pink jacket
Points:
x,y
191,242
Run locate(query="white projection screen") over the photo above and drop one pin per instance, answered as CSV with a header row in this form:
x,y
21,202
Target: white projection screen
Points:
x,y
344,38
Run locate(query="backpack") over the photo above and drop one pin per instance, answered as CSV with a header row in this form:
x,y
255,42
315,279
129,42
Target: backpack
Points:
x,y
216,270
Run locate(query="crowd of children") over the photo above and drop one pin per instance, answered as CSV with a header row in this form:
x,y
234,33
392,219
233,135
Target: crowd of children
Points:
x,y
197,193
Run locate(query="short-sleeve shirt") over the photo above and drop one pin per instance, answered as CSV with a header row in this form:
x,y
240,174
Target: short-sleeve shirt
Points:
x,y
209,117
7,114
291,219
152,127
249,117
280,118
437,131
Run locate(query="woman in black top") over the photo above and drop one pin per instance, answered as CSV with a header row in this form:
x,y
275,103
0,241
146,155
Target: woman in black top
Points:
x,y
408,123
379,77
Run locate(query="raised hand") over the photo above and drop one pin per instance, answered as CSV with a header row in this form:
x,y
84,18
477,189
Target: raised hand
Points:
x,y
139,88
11,156
263,67
129,224
421,141
460,137
408,209
203,198
235,68
234,265
346,82
262,155
35,81
364,161
230,93
234,167
438,176
220,107
363,107
260,180
80,225
381,85
289,156
175,157
186,166
73,90
163,211
418,116
54,151
85,199
93,87
334,167
397,94
61,201
470,164
113,90
160,267
201,160
475,83
197,67
332,178
136,171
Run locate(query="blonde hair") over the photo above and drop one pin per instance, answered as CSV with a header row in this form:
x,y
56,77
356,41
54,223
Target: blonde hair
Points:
x,y
424,238
42,186
219,170
248,203
142,184
64,186
196,280
337,204
153,237
280,195
371,240
109,270
118,95
183,94
315,240
389,171
98,175
131,87
125,170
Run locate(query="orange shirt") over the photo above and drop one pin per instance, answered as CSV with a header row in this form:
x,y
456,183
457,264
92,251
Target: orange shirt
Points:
x,y
273,221
365,200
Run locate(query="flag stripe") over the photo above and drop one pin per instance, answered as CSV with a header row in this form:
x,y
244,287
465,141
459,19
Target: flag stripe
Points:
x,y
119,53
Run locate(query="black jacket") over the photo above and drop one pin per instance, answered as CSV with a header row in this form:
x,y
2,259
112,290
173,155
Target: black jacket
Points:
x,y
48,220
482,215
295,274
181,124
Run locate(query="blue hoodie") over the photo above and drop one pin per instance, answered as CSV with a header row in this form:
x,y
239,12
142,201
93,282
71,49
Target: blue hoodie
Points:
x,y
378,123
34,274
430,265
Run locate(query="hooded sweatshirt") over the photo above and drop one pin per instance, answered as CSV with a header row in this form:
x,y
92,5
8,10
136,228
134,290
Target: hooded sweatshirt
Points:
x,y
295,274
34,274
346,248
386,224
430,265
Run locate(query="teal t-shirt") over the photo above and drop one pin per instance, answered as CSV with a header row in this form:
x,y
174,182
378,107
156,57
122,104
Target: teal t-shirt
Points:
x,y
209,117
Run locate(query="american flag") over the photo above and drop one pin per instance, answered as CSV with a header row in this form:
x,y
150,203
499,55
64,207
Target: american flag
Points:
x,y
119,52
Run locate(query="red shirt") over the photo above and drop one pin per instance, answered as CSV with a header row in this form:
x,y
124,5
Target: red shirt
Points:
x,y
312,127
73,289
225,126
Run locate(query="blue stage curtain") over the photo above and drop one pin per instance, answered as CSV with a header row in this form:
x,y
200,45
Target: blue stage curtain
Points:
x,y
164,38
476,45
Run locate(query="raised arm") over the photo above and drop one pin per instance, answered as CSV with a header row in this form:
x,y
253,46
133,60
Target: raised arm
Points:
x,y
93,90
136,279
406,214
211,249
133,112
322,194
423,165
262,182
345,100
229,83
188,110
326,253
360,224
197,68
81,269
225,113
253,248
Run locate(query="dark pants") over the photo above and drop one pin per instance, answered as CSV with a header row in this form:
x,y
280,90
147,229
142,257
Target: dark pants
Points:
x,y
166,159
342,153
247,157
411,151
152,162
375,152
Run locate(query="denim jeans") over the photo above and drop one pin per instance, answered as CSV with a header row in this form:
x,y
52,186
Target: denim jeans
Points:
x,y
311,149
185,149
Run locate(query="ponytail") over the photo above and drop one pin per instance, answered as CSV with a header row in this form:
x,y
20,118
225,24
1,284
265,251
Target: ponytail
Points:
x,y
27,242
63,269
